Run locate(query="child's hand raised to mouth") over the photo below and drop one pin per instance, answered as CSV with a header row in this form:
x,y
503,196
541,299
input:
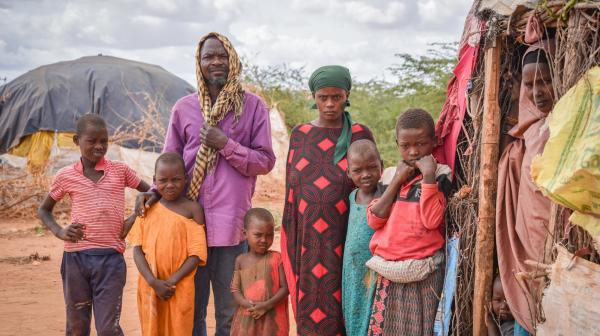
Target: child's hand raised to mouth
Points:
x,y
403,171
427,165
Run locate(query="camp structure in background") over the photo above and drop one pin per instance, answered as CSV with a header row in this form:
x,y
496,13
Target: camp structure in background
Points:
x,y
39,110
479,102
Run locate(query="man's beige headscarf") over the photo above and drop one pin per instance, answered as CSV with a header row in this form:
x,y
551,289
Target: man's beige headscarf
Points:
x,y
230,98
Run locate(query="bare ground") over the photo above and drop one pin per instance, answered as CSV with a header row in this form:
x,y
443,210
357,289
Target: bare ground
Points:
x,y
31,301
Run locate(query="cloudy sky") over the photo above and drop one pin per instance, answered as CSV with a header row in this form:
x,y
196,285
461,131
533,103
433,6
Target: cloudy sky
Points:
x,y
363,35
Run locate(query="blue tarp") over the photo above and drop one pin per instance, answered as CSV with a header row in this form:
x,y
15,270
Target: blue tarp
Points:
x,y
441,325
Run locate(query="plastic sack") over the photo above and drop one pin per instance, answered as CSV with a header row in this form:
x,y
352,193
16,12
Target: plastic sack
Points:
x,y
568,171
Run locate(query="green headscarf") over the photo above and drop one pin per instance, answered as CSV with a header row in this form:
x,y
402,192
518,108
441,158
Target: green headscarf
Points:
x,y
335,76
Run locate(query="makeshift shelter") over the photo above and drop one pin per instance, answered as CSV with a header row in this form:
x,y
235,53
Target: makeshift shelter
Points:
x,y
39,110
478,105
41,107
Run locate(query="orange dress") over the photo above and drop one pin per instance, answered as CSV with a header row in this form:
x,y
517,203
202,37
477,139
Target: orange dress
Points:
x,y
167,239
260,283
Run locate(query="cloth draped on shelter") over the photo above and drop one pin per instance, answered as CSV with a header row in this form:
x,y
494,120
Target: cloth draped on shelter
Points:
x,y
449,124
522,212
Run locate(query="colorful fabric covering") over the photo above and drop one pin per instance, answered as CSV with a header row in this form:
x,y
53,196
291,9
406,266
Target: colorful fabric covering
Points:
x,y
357,284
260,283
314,227
231,98
167,239
406,309
450,122
100,205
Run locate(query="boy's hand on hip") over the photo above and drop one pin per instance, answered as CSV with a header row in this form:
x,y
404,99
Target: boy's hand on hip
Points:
x,y
427,166
143,201
72,232
163,289
127,224
213,137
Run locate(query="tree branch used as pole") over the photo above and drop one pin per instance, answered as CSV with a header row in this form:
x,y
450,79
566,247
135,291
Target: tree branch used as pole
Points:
x,y
488,181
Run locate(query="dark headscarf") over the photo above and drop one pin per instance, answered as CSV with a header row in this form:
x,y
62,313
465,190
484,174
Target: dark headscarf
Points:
x,y
335,76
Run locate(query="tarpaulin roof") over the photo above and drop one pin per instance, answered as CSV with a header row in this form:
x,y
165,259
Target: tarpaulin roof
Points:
x,y
53,96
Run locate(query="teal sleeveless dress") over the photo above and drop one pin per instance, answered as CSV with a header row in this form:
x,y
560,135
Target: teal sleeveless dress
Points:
x,y
357,286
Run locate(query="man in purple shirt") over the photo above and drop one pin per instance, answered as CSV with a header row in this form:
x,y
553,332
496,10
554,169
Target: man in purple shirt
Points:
x,y
244,150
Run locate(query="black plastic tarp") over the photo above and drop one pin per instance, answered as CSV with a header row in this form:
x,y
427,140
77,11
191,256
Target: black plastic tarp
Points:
x,y
53,96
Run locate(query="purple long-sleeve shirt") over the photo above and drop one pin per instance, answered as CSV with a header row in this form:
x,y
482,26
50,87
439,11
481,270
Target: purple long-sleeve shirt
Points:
x,y
227,192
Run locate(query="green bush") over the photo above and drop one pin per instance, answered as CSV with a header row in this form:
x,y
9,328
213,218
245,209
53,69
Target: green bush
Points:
x,y
420,82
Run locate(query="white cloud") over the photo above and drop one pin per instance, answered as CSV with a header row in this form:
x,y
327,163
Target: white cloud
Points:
x,y
442,11
363,35
316,6
168,6
148,20
365,13
254,35
428,10
228,9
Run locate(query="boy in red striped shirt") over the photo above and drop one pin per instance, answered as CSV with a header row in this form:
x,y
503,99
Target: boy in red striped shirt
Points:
x,y
93,268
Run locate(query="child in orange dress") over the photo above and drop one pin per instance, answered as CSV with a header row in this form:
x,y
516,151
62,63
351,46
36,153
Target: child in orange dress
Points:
x,y
258,285
169,245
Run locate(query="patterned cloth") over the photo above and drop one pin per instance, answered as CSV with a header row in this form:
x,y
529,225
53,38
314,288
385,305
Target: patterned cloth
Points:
x,y
314,227
408,270
357,284
230,98
260,283
406,309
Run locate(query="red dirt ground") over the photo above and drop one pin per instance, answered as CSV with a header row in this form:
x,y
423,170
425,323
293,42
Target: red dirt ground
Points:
x,y
31,301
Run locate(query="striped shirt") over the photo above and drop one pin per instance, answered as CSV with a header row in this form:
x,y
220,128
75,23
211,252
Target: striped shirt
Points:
x,y
100,206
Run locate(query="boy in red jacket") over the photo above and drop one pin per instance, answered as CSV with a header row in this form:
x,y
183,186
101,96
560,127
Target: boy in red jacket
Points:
x,y
408,241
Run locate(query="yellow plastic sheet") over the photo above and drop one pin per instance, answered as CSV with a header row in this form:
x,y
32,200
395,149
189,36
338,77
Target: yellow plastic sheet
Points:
x,y
568,171
37,147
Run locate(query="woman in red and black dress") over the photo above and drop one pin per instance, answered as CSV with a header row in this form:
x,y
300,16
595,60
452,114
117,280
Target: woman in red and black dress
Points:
x,y
316,207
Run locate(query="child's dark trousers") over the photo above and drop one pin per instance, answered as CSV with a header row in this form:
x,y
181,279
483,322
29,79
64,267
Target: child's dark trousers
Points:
x,y
93,278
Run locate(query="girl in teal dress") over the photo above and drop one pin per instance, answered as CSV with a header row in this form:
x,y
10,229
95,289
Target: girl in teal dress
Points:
x,y
364,168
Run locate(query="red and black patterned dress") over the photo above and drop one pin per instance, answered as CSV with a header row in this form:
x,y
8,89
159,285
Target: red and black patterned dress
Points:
x,y
315,218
